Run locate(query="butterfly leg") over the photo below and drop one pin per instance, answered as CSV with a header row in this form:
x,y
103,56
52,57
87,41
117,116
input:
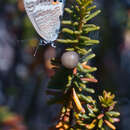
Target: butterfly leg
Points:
x,y
44,42
53,45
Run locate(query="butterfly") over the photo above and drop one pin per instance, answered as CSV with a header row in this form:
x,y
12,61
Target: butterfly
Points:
x,y
45,16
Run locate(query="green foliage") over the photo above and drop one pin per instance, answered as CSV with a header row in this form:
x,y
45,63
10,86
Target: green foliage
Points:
x,y
100,114
88,112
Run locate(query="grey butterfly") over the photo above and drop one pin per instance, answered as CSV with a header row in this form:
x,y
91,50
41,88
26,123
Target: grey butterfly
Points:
x,y
45,17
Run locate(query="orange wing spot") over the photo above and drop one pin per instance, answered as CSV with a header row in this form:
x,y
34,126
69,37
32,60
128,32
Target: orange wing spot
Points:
x,y
54,3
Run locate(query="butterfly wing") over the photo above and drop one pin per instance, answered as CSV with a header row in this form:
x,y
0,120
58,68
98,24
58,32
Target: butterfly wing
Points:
x,y
45,17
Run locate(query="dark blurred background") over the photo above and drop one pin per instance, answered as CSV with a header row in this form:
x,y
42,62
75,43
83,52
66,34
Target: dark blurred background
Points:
x,y
23,77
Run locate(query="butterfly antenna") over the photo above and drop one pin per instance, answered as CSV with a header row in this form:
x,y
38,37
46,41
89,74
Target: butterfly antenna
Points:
x,y
40,43
36,50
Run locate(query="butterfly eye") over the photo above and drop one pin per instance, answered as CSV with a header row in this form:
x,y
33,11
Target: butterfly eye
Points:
x,y
55,2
